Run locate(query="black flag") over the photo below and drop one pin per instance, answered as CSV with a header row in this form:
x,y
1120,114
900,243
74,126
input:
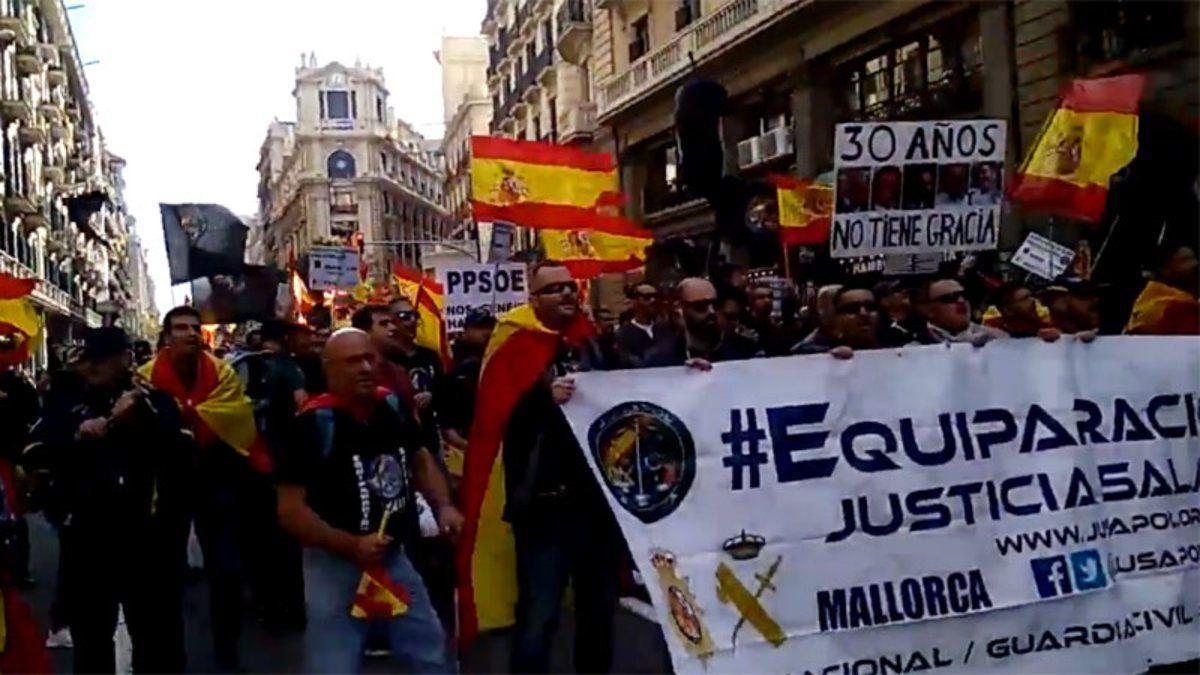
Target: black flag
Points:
x,y
203,240
230,298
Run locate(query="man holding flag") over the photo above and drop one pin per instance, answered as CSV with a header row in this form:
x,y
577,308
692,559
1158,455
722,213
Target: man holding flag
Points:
x,y
221,418
534,514
346,492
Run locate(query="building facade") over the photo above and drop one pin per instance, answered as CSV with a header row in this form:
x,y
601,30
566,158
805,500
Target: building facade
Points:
x,y
64,218
346,172
467,112
796,68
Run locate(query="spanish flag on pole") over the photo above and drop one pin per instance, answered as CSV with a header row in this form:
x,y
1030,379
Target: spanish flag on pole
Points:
x,y
428,298
519,352
805,210
590,253
543,186
20,324
1090,136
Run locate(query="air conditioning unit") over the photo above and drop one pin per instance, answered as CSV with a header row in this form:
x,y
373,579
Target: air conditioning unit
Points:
x,y
749,152
775,143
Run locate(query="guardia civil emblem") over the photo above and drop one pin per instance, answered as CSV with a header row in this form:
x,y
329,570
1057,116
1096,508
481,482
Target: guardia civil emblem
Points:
x,y
646,457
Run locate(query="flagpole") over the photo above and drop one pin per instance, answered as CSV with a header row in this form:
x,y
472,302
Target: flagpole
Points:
x,y
787,264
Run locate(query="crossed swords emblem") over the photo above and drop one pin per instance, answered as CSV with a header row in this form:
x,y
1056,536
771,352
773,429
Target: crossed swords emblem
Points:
x,y
730,589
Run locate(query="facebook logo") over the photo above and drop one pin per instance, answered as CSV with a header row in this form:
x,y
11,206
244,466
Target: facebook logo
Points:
x,y
1088,570
1052,576
1056,575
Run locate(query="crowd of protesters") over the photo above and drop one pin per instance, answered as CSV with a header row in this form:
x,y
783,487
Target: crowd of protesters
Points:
x,y
361,438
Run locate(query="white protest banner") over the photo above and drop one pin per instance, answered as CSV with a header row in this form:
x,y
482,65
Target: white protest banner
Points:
x,y
1043,257
499,287
917,187
332,267
1023,506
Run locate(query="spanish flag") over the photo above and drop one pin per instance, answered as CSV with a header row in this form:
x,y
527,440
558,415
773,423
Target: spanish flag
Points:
x,y
216,406
1090,136
518,354
20,324
544,186
378,596
589,253
805,210
1164,310
428,298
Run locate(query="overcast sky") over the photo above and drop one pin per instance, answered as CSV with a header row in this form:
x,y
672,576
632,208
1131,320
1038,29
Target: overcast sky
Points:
x,y
184,90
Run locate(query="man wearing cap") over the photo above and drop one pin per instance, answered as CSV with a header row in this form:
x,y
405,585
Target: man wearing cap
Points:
x,y
123,465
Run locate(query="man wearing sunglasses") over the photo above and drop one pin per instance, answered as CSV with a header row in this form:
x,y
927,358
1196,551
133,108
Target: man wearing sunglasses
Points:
x,y
644,329
943,303
702,341
561,525
850,323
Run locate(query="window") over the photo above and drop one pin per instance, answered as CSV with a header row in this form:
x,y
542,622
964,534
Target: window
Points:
x,y
354,104
340,165
687,12
639,44
938,72
379,108
662,189
1122,30
337,105
537,128
547,33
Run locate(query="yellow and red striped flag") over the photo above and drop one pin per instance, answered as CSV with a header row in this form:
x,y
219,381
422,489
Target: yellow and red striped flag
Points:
x,y
378,596
520,350
428,299
20,324
590,253
1091,135
805,210
544,186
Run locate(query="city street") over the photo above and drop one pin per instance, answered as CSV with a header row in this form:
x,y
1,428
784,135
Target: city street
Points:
x,y
640,647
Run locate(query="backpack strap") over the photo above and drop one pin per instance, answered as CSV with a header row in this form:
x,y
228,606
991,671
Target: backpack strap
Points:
x,y
325,426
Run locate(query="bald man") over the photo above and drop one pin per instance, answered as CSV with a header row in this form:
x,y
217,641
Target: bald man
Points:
x,y
346,492
702,341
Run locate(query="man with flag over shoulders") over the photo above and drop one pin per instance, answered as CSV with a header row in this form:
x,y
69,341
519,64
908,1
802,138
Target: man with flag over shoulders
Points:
x,y
221,418
346,491
527,484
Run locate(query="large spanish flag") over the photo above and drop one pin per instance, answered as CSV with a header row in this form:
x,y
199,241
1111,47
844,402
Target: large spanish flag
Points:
x,y
20,324
428,297
1091,135
589,253
216,406
544,186
805,210
518,354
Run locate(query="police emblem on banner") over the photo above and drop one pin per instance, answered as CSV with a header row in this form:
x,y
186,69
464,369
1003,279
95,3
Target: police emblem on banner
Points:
x,y
646,457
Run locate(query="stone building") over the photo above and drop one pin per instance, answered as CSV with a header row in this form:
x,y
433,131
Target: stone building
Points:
x,y
64,217
346,172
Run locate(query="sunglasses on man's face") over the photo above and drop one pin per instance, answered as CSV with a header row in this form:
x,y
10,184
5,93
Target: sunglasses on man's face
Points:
x,y
949,298
558,289
700,306
648,296
406,315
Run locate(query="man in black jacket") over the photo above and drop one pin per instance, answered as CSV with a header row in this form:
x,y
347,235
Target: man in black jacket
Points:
x,y
644,330
561,525
122,465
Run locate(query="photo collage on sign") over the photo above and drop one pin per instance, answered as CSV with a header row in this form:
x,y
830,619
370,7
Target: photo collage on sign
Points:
x,y
918,186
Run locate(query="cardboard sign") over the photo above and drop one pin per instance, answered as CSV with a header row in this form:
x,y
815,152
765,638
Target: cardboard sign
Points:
x,y
917,187
1043,257
498,287
332,267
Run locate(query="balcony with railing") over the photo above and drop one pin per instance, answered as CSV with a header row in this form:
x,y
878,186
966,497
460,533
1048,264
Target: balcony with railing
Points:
x,y
731,23
576,122
574,30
